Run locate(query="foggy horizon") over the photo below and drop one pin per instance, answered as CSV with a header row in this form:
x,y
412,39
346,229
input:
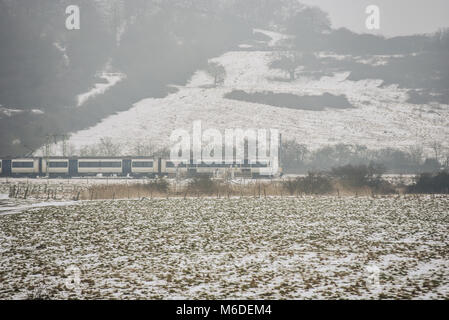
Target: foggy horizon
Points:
x,y
399,17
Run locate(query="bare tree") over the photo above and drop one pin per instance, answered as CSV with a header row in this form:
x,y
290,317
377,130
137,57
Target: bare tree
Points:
x,y
442,38
289,62
106,147
163,152
89,151
142,149
109,148
310,21
218,72
446,158
71,150
436,146
416,154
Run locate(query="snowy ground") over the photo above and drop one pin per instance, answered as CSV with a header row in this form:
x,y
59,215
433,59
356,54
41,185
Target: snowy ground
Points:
x,y
381,117
292,248
109,79
14,206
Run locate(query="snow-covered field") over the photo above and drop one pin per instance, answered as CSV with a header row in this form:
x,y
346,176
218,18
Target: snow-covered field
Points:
x,y
292,248
381,117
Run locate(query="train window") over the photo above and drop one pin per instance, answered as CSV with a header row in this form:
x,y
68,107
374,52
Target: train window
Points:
x,y
170,164
1,164
58,164
98,164
260,165
206,165
23,164
114,164
88,164
142,164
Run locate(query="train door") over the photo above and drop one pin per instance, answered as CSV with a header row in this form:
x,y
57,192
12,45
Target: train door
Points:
x,y
126,168
160,166
73,167
40,166
6,168
191,168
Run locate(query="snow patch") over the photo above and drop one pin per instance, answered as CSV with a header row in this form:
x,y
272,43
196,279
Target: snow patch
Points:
x,y
110,80
8,112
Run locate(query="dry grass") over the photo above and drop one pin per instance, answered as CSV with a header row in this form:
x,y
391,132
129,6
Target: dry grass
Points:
x,y
196,188
158,188
204,187
162,188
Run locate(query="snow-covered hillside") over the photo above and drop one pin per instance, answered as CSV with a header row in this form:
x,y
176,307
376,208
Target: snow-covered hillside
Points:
x,y
381,117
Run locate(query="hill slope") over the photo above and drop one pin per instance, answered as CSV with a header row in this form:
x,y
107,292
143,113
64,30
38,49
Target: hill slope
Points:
x,y
380,116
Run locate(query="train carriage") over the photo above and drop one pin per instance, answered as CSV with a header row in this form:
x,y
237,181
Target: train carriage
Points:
x,y
26,167
55,167
100,166
144,167
172,168
213,168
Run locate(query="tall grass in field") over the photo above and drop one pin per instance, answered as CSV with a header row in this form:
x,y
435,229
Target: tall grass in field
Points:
x,y
198,187
156,188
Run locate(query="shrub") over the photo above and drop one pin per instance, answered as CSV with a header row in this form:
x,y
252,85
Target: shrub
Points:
x,y
383,187
291,186
313,183
202,184
431,183
359,176
159,185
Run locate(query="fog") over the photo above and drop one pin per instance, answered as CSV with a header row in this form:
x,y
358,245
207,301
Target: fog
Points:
x,y
399,17
136,70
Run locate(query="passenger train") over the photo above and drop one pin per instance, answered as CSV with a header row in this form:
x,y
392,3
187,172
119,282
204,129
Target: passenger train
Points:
x,y
120,167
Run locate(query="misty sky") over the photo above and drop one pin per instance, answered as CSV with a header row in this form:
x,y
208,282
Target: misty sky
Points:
x,y
398,17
